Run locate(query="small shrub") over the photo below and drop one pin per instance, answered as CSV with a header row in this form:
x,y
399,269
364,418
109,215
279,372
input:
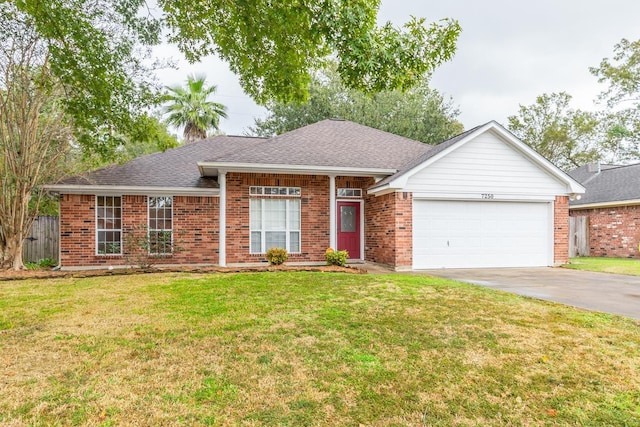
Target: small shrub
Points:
x,y
31,265
336,257
47,263
277,256
144,250
43,264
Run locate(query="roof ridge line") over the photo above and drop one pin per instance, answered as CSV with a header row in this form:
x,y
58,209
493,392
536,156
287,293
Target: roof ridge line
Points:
x,y
240,136
394,135
613,167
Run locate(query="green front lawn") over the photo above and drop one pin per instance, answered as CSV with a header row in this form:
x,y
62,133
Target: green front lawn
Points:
x,y
606,265
307,349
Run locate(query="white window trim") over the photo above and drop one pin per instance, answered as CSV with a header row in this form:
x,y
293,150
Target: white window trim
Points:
x,y
263,231
98,230
259,190
149,229
357,193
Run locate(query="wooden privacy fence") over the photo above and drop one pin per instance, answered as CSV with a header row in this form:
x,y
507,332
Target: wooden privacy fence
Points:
x,y
43,240
578,236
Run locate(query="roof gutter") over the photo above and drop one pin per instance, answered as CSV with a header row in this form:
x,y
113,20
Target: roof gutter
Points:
x,y
610,204
127,189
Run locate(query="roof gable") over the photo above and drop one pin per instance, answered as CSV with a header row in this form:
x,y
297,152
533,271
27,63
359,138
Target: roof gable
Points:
x,y
486,165
400,179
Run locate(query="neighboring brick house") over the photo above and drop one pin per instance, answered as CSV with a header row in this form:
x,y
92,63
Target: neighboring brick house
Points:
x,y
481,199
612,207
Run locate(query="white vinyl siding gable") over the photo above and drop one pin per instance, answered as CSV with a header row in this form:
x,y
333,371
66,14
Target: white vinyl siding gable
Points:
x,y
484,165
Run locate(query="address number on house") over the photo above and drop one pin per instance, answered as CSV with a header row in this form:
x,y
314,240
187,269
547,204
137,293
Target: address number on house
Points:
x,y
487,195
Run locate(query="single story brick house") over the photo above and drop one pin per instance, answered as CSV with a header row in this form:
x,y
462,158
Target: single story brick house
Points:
x,y
612,207
480,199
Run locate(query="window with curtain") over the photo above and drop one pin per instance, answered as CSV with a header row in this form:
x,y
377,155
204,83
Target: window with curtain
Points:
x,y
108,225
275,223
160,225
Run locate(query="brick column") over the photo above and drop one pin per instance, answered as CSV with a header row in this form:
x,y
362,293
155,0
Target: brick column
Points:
x,y
389,225
561,230
404,231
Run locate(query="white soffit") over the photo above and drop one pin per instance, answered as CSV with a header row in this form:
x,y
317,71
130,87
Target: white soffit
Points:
x,y
212,169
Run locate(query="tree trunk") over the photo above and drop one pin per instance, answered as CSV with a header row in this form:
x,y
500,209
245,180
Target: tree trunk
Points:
x,y
34,137
193,133
12,256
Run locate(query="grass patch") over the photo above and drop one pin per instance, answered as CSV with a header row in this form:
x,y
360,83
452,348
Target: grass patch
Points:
x,y
606,265
296,349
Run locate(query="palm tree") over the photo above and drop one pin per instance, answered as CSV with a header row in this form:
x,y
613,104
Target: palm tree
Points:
x,y
189,107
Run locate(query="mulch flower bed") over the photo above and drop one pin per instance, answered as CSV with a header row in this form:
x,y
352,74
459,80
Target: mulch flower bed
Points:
x,y
49,274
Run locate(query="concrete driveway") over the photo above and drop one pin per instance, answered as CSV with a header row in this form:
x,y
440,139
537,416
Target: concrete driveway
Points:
x,y
609,293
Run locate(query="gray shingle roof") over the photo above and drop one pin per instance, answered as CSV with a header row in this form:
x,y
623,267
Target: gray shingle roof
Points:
x,y
612,184
173,168
587,171
335,143
329,143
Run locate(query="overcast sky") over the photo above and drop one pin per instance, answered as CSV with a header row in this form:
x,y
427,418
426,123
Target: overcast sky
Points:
x,y
509,52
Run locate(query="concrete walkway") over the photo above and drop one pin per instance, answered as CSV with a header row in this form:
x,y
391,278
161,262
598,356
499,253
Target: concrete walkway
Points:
x,y
609,293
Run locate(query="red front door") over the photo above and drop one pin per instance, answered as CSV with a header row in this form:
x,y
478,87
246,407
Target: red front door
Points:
x,y
349,228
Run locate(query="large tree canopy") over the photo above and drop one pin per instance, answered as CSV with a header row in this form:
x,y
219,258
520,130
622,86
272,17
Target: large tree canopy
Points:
x,y
622,96
95,51
622,74
420,113
273,46
566,137
569,137
49,111
35,135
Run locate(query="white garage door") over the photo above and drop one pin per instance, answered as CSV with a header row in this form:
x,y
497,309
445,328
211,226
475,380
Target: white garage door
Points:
x,y
456,234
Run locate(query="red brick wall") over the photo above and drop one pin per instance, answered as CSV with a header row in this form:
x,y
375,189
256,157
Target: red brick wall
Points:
x,y
354,182
388,223
561,230
77,232
314,206
195,230
389,228
380,228
613,232
404,227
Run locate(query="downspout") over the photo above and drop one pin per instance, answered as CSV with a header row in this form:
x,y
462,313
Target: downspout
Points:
x,y
59,266
332,212
222,219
